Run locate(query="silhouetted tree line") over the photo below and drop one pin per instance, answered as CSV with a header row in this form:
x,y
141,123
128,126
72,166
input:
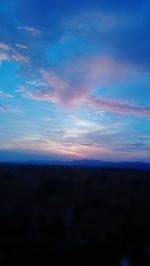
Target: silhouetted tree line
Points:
x,y
69,214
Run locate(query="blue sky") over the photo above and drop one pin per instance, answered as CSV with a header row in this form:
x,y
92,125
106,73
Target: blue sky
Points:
x,y
75,80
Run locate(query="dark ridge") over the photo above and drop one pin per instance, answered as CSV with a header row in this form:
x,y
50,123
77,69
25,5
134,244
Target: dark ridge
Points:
x,y
69,214
88,163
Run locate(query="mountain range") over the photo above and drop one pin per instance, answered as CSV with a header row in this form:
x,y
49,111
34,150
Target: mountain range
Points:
x,y
92,163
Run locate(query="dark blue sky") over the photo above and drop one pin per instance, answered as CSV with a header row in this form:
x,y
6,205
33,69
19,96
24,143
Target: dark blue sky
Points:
x,y
74,80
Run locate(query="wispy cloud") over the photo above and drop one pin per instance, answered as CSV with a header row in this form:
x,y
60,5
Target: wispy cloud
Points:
x,y
121,107
4,46
48,146
36,144
10,53
21,46
6,108
47,120
20,57
38,94
4,49
3,107
33,31
5,95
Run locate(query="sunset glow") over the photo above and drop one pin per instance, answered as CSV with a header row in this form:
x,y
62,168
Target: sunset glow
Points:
x,y
74,80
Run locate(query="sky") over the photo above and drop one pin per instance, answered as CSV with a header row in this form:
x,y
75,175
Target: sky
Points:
x,y
75,80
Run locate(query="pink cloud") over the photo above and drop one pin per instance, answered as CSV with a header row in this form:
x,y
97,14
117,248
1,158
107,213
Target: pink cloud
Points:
x,y
121,107
79,78
72,85
68,91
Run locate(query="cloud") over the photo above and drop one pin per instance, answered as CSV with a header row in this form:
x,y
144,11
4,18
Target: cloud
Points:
x,y
4,46
3,56
47,120
4,49
121,107
104,29
20,57
64,89
21,46
136,147
77,49
120,29
38,94
36,143
5,108
5,95
31,30
71,83
9,53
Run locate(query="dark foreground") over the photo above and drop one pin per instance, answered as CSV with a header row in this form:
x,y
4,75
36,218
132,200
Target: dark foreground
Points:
x,y
74,215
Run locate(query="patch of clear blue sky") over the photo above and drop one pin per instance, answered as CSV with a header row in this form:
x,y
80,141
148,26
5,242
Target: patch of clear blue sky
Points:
x,y
8,75
66,48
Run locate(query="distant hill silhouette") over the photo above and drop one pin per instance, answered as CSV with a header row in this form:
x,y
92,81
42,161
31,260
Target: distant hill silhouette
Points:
x,y
92,163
